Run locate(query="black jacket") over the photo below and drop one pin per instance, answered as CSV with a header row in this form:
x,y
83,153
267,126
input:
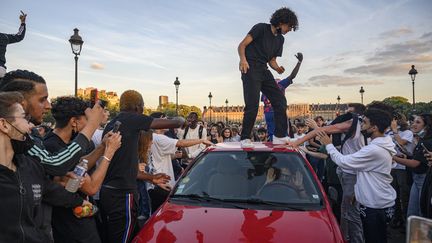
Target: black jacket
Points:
x,y
6,39
59,163
22,193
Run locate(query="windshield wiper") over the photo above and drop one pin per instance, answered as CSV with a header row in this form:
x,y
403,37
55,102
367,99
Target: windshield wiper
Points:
x,y
206,198
257,201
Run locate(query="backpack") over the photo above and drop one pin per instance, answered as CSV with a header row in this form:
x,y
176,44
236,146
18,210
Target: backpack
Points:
x,y
200,132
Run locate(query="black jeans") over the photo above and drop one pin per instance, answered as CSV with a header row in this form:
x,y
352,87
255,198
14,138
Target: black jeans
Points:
x,y
374,223
254,81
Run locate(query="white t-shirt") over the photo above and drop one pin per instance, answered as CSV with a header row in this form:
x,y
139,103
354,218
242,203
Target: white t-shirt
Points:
x,y
162,149
409,147
193,133
353,145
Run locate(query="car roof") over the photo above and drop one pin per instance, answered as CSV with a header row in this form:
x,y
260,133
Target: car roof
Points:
x,y
259,147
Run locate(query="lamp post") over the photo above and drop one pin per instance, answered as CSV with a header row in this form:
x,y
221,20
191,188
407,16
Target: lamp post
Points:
x,y
210,96
76,45
338,99
413,73
177,85
361,93
226,111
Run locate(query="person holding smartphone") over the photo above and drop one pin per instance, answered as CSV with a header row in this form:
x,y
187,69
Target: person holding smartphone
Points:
x,y
422,128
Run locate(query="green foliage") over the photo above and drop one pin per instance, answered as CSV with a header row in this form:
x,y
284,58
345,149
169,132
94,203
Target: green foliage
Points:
x,y
402,106
183,110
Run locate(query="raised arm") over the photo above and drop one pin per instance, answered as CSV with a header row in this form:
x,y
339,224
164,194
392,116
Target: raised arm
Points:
x,y
21,31
93,183
177,122
294,72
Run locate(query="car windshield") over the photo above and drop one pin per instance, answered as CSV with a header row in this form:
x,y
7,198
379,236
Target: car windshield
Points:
x,y
269,178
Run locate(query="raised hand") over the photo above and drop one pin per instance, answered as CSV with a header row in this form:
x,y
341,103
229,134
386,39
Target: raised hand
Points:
x,y
23,17
299,56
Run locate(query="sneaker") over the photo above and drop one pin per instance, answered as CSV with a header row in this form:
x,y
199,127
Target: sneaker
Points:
x,y
246,143
283,140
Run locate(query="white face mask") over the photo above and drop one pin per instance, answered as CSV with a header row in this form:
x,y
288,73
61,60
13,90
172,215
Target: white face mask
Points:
x,y
422,133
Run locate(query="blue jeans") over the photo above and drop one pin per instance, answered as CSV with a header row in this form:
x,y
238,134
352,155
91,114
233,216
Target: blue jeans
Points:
x,y
144,199
269,119
414,198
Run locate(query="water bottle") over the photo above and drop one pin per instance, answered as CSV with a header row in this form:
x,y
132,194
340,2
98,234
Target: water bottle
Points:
x,y
73,183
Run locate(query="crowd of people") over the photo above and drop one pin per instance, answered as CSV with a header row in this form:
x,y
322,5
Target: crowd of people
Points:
x,y
375,158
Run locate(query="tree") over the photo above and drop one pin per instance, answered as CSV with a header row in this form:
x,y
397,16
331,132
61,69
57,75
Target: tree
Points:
x,y
400,104
183,110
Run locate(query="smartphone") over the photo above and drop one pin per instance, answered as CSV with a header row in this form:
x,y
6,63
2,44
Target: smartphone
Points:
x,y
103,103
93,97
424,147
419,229
116,126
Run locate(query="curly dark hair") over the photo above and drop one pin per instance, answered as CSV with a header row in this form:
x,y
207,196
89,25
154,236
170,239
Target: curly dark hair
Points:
x,y
284,16
66,107
378,118
22,81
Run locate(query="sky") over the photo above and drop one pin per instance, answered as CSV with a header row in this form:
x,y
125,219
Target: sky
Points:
x,y
144,45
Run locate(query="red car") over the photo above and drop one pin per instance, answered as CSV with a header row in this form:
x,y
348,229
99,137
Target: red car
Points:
x,y
229,194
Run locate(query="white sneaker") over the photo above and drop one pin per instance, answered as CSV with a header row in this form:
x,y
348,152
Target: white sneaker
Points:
x,y
246,143
283,140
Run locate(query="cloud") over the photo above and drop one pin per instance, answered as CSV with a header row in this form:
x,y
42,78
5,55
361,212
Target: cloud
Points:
x,y
398,51
396,33
342,81
378,69
426,35
97,66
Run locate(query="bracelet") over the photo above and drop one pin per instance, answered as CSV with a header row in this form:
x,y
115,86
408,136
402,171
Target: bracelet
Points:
x,y
106,158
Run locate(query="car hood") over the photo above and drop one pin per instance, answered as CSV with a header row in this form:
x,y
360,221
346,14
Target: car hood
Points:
x,y
180,223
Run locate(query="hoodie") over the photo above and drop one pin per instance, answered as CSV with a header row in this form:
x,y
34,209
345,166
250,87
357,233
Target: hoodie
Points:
x,y
372,164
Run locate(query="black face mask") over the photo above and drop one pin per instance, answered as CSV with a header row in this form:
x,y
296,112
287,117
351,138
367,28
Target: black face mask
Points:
x,y
22,146
279,31
366,134
74,134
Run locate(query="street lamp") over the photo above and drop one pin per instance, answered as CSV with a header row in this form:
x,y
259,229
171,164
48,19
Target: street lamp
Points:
x,y
338,99
413,73
177,85
361,93
210,96
226,111
76,45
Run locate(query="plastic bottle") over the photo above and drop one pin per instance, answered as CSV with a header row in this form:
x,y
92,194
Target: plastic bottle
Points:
x,y
85,211
73,183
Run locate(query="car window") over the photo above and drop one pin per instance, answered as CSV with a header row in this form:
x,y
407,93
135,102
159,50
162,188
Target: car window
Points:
x,y
267,176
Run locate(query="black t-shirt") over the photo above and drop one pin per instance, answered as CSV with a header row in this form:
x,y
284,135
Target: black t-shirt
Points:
x,y
418,155
67,227
123,168
264,47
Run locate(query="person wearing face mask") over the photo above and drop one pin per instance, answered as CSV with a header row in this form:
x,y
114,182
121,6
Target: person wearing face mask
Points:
x,y
69,114
372,165
24,184
261,46
36,104
422,129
